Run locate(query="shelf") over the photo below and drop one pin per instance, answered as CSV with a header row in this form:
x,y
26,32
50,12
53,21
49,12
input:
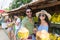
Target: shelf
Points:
x,y
55,25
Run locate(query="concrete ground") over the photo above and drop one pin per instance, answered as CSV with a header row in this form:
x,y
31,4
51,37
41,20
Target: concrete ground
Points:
x,y
3,35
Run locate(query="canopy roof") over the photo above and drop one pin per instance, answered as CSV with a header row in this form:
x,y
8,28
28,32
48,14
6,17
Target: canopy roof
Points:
x,y
36,5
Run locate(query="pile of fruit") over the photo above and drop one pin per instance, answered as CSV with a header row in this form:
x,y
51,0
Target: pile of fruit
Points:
x,y
23,33
55,18
42,35
53,37
35,19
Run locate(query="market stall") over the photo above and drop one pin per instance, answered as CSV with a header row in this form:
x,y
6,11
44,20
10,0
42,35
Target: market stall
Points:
x,y
53,7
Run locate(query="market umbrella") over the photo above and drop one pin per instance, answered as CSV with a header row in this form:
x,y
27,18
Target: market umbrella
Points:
x,y
2,11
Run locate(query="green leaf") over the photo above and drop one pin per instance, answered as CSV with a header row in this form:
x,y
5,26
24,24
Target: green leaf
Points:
x,y
17,3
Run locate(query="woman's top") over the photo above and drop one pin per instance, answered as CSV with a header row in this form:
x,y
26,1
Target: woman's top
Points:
x,y
42,27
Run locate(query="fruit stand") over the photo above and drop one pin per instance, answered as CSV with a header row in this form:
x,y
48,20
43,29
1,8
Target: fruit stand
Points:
x,y
53,7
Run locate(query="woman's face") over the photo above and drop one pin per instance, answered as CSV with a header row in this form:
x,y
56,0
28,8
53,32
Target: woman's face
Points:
x,y
42,16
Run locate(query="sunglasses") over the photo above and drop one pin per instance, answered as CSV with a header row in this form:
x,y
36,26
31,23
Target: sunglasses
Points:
x,y
43,15
28,11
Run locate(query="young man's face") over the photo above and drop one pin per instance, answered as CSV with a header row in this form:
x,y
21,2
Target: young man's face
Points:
x,y
29,13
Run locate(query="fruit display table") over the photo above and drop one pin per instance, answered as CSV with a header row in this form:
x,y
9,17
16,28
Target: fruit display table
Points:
x,y
55,25
55,28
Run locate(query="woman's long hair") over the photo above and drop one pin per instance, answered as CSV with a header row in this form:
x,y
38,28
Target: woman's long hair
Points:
x,y
46,19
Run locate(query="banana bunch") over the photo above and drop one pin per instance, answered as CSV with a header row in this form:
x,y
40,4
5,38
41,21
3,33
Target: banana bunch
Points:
x,y
52,36
35,19
55,18
58,38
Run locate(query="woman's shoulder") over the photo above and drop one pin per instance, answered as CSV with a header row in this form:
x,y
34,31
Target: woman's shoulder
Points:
x,y
45,24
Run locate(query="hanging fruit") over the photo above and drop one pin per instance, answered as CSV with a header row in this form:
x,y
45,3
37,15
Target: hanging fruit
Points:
x,y
55,18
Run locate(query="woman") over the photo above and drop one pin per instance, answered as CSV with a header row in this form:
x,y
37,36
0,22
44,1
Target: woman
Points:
x,y
43,23
9,27
43,20
3,32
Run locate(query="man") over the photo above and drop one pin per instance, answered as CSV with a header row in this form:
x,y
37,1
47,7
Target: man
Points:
x,y
28,21
17,22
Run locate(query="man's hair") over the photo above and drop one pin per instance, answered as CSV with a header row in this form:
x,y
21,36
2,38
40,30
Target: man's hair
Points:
x,y
28,8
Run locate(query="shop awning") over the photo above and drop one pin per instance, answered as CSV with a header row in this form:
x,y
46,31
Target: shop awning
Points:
x,y
35,5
